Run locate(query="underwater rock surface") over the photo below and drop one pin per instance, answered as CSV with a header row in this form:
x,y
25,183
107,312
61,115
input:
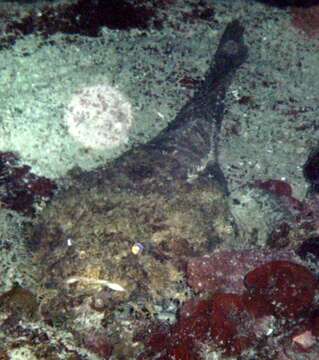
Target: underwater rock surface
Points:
x,y
93,294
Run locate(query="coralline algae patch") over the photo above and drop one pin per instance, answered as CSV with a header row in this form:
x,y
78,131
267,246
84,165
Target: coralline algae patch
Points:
x,y
307,20
224,270
277,306
21,190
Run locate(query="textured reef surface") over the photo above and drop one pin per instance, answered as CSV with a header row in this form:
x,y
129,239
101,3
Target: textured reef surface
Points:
x,y
197,236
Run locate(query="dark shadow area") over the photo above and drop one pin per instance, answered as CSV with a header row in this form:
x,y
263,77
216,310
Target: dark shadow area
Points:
x,y
284,3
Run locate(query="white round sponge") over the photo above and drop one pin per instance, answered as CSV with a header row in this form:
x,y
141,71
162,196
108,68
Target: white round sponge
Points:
x,y
99,117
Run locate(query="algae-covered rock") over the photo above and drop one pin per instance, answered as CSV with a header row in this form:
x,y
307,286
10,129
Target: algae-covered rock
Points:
x,y
16,266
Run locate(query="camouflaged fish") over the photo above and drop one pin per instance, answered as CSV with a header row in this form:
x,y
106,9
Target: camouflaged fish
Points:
x,y
163,194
